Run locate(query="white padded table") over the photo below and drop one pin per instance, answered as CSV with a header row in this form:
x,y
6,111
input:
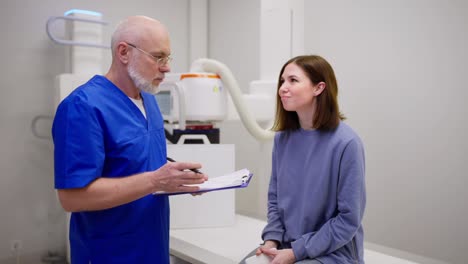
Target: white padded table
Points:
x,y
221,245
229,245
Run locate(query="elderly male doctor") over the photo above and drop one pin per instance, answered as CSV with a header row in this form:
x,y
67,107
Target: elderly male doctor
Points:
x,y
110,154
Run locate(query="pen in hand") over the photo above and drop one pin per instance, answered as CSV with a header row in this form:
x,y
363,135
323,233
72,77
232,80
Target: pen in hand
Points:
x,y
194,170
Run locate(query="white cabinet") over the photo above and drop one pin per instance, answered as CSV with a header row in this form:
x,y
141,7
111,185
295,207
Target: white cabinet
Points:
x,y
212,209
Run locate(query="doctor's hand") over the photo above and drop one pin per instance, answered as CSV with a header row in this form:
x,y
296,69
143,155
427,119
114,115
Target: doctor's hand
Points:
x,y
173,176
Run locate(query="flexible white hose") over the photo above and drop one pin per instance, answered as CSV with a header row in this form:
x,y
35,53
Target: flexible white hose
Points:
x,y
214,66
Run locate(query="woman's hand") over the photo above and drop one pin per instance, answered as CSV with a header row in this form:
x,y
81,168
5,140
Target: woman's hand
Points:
x,y
283,256
265,248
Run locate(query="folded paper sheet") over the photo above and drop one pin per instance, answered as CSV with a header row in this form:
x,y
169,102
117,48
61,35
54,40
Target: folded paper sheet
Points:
x,y
261,259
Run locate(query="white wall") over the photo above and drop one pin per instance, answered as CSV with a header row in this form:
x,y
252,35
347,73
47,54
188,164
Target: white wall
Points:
x,y
234,28
30,61
401,68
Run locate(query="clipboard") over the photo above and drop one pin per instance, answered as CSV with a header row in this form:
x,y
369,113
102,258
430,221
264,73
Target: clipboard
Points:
x,y
233,180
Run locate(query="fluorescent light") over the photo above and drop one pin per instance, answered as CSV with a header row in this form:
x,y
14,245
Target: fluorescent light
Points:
x,y
80,11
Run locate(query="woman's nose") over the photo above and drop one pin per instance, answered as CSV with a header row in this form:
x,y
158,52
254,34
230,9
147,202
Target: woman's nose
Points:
x,y
283,88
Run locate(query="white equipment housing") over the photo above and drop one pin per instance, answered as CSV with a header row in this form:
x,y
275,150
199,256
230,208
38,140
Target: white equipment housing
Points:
x,y
198,97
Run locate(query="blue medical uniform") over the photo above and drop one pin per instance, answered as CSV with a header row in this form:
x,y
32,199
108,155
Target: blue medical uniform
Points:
x,y
99,132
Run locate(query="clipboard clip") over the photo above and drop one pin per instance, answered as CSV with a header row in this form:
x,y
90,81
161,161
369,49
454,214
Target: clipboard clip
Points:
x,y
244,179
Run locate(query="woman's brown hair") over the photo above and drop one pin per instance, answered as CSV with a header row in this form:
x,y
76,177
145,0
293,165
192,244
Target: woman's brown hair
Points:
x,y
327,114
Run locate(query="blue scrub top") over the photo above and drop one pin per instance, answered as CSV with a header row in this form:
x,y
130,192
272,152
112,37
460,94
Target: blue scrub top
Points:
x,y
99,132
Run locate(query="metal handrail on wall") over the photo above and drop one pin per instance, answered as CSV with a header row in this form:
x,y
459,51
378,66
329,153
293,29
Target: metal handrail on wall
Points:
x,y
57,40
51,20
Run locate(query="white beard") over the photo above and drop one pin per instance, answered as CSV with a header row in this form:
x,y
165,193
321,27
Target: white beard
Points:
x,y
141,83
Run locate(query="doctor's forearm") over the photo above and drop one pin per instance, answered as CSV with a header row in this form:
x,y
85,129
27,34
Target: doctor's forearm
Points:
x,y
104,193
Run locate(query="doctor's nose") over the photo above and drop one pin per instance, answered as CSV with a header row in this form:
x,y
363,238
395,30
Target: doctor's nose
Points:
x,y
165,68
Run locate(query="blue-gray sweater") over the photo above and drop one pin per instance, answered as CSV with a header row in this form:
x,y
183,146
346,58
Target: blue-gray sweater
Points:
x,y
317,194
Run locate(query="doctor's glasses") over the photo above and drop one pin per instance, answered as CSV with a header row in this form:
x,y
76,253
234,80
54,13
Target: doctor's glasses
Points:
x,y
160,60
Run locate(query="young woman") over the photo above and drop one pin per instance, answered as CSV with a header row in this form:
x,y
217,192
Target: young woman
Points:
x,y
317,194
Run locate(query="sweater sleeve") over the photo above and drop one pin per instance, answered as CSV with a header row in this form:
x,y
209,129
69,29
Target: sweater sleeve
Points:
x,y
274,229
339,230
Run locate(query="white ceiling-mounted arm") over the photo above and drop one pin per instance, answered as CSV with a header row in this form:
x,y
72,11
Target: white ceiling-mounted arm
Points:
x,y
210,65
70,42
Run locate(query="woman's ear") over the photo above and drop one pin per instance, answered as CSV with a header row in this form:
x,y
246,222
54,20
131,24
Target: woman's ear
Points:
x,y
318,89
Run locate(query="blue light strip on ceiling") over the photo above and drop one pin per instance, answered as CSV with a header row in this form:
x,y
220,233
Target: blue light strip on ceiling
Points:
x,y
80,11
